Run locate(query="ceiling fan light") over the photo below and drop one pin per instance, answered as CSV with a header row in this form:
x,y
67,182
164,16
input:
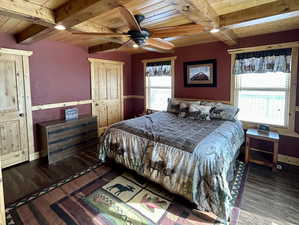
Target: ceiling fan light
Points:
x,y
59,27
135,46
214,30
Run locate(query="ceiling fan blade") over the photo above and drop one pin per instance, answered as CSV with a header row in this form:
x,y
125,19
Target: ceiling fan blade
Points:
x,y
159,43
130,19
93,34
173,31
127,44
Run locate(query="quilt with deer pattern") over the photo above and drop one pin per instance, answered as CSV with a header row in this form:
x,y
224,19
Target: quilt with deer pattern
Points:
x,y
192,158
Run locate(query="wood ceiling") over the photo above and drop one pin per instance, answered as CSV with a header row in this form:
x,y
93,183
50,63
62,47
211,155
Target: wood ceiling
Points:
x,y
34,20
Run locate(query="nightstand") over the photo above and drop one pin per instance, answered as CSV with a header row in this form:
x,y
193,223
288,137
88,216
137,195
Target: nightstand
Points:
x,y
258,156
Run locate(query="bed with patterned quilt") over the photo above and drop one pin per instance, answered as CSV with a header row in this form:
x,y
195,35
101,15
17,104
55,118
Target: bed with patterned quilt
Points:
x,y
192,156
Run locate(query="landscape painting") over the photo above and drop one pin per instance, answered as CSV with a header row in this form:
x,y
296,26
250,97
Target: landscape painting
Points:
x,y
200,73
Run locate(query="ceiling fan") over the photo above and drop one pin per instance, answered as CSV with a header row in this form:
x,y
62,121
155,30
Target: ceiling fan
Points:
x,y
149,39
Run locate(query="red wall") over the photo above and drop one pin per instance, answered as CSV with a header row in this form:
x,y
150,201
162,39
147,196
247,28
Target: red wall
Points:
x,y
61,73
216,50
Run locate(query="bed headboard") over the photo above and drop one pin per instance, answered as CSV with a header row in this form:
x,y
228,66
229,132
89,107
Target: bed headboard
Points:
x,y
206,100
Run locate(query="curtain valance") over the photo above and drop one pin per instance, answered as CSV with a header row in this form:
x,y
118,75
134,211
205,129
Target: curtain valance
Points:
x,y
263,61
158,68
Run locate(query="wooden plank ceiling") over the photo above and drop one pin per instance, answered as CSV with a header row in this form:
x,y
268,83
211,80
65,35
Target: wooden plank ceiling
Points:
x,y
34,20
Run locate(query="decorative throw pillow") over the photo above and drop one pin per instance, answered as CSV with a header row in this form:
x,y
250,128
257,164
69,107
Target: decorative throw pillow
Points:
x,y
199,112
184,108
173,106
224,112
209,103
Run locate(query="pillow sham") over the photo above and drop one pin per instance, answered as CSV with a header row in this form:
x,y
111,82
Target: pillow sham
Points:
x,y
173,106
199,112
184,108
224,112
209,103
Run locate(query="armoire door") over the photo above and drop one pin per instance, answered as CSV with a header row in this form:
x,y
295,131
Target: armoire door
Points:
x,y
13,129
107,92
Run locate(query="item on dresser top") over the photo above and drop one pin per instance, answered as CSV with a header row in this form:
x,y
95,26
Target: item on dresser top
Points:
x,y
71,114
263,128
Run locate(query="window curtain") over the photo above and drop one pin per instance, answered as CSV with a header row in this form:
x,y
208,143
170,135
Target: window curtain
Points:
x,y
263,61
158,69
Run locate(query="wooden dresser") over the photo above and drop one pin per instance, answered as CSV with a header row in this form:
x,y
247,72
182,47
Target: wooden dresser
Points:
x,y
61,139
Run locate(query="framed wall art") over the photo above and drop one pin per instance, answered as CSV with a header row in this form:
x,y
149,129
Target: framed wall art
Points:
x,y
200,73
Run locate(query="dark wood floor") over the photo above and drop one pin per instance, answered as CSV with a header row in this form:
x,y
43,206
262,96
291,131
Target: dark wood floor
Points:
x,y
269,198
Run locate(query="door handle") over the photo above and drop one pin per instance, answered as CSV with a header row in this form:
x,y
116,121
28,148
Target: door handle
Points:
x,y
97,104
21,114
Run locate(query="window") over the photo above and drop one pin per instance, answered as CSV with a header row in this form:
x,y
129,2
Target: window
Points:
x,y
158,84
263,88
263,97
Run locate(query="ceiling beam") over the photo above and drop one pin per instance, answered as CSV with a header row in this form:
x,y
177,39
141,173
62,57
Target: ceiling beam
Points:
x,y
268,12
72,13
104,47
24,10
200,12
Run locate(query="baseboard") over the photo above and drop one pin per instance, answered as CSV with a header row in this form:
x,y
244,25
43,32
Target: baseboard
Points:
x,y
288,159
36,155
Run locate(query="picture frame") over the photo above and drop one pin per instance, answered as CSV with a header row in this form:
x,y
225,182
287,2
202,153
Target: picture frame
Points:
x,y
200,73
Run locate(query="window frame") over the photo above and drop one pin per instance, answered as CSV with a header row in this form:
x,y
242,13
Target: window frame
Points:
x,y
146,91
289,129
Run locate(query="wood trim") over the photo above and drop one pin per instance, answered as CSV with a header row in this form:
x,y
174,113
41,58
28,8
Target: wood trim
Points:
x,y
15,52
297,108
280,130
59,105
133,96
28,106
104,61
264,47
159,59
172,59
122,90
232,80
288,159
293,88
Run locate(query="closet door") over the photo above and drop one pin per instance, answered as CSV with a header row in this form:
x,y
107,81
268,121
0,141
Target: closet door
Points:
x,y
13,130
107,92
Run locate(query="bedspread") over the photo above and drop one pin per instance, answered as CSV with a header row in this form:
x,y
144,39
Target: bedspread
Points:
x,y
191,158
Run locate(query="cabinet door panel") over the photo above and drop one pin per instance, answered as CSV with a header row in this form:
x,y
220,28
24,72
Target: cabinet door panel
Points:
x,y
107,93
13,132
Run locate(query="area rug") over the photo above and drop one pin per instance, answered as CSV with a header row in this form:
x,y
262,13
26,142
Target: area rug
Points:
x,y
104,195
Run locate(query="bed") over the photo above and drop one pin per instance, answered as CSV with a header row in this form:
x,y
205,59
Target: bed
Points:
x,y
194,159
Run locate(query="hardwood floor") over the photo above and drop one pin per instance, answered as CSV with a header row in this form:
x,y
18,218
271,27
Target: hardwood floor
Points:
x,y
26,178
269,198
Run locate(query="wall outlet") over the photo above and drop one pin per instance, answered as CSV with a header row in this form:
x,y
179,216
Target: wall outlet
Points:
x,y
279,167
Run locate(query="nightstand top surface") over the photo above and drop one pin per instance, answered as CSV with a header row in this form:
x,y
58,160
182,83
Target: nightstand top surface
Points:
x,y
270,135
